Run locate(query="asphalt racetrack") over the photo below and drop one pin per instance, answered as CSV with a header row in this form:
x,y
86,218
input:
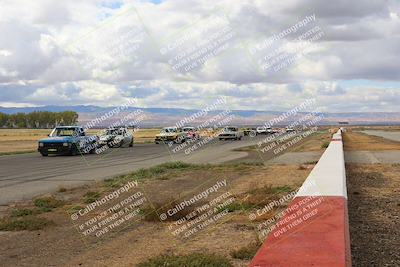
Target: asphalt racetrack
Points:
x,y
394,136
25,176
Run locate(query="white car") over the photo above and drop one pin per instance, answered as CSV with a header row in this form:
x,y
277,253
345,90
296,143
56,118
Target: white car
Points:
x,y
289,130
231,132
170,135
116,137
264,130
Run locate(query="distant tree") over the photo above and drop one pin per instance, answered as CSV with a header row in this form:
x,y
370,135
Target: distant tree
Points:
x,y
3,119
18,120
70,117
38,119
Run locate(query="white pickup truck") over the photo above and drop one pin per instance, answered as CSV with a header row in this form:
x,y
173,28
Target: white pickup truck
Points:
x,y
231,132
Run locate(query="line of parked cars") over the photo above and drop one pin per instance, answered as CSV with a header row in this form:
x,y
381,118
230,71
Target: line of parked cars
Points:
x,y
72,140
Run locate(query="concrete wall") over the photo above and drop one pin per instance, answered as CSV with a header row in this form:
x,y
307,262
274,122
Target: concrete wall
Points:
x,y
314,229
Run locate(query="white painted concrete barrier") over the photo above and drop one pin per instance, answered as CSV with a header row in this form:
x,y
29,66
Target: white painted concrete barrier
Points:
x,y
314,230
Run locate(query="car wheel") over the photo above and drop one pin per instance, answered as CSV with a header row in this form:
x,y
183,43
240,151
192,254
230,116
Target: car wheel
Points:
x,y
120,143
131,143
44,154
93,150
73,152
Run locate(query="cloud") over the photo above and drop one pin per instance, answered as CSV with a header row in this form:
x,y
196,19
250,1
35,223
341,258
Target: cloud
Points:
x,y
102,52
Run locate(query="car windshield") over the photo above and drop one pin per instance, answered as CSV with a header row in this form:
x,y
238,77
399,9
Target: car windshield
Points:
x,y
62,132
230,129
169,130
188,129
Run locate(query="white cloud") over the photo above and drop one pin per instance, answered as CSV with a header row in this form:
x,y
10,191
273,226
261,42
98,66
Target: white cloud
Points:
x,y
119,56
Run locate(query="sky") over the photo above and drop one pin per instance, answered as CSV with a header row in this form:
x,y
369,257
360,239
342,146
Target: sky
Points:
x,y
261,55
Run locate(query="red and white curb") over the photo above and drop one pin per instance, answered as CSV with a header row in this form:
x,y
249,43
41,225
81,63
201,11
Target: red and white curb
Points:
x,y
314,229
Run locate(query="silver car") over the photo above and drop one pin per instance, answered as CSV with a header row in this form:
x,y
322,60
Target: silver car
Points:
x,y
116,137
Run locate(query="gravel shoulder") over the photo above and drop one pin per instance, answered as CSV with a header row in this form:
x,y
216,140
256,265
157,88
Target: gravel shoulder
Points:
x,y
373,202
372,167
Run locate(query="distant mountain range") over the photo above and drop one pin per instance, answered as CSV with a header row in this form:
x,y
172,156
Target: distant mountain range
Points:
x,y
169,116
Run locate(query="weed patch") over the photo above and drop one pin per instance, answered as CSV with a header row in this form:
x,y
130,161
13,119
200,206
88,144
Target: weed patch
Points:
x,y
247,252
325,144
30,223
91,197
46,204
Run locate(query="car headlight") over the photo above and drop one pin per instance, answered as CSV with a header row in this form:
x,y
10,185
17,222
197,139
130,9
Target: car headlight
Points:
x,y
65,144
41,144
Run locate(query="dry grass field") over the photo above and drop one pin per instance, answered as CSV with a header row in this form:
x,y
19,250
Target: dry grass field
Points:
x,y
20,140
234,237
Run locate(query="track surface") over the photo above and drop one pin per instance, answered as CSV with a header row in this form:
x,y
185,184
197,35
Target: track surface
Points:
x,y
395,136
27,175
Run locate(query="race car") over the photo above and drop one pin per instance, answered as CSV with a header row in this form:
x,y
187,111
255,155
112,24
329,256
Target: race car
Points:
x,y
116,137
231,132
67,140
170,134
265,130
191,133
289,130
250,131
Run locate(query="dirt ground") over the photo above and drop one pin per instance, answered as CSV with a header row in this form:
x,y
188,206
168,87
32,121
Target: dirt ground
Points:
x,y
62,245
374,213
373,202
